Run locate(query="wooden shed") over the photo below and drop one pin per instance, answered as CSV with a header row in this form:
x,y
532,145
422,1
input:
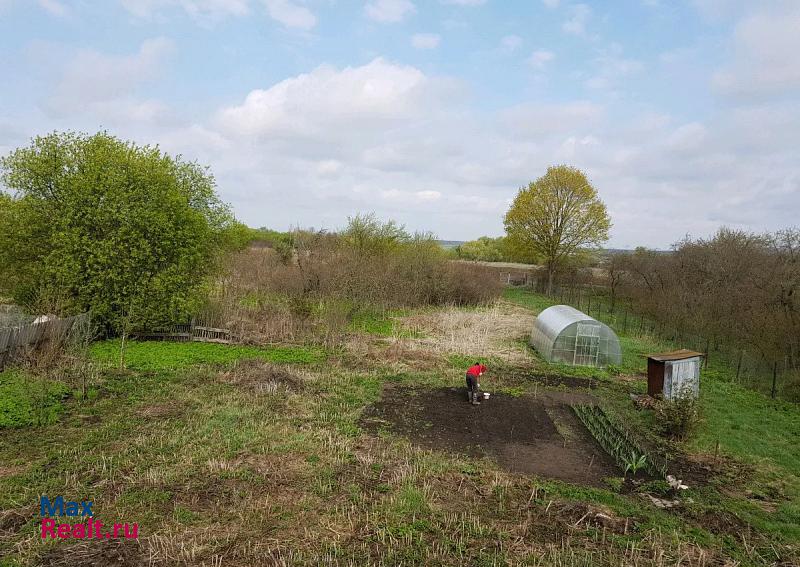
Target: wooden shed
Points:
x,y
674,374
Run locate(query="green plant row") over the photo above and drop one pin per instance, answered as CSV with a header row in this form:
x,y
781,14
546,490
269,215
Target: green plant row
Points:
x,y
618,442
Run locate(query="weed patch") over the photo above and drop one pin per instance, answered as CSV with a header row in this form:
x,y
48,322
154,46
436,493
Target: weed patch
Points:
x,y
25,400
155,356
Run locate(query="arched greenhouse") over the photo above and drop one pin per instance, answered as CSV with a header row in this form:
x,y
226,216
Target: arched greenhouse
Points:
x,y
564,334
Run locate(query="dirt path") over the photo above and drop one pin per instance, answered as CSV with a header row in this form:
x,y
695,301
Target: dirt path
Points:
x,y
525,435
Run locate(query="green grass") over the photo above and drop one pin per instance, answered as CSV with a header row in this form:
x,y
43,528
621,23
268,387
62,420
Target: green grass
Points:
x,y
25,400
380,322
206,466
155,356
464,361
534,301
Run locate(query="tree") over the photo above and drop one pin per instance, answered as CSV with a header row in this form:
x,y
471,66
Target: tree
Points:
x,y
109,226
556,216
614,264
6,204
369,235
485,249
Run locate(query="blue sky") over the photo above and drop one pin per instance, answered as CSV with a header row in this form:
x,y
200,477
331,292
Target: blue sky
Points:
x,y
684,114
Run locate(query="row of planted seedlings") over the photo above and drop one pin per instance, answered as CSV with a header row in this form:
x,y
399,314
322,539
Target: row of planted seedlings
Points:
x,y
619,442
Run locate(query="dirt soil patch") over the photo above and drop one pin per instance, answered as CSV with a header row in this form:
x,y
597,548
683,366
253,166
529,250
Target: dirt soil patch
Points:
x,y
96,554
522,434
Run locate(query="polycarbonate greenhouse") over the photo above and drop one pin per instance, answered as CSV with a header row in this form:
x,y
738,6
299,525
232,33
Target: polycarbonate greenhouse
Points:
x,y
564,334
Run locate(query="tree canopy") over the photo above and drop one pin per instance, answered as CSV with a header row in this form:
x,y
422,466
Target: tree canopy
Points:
x,y
367,234
484,249
557,216
95,222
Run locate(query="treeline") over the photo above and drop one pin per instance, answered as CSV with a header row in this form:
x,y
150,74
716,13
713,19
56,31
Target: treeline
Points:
x,y
737,290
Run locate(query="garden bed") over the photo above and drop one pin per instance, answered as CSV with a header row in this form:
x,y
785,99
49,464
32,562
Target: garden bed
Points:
x,y
522,434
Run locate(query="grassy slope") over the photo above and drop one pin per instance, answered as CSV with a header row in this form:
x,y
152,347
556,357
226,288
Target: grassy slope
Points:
x,y
747,425
210,469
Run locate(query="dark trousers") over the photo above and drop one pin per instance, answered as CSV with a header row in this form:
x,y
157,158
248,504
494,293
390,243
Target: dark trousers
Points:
x,y
472,386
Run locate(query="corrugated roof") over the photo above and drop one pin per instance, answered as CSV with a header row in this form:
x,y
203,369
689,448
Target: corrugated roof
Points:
x,y
674,355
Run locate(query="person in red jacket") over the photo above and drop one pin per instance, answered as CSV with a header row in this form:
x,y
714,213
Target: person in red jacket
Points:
x,y
473,373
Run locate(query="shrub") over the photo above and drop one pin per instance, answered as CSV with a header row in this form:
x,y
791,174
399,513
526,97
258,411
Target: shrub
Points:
x,y
679,417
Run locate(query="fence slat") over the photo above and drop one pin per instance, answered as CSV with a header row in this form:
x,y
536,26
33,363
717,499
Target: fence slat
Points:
x,y
34,334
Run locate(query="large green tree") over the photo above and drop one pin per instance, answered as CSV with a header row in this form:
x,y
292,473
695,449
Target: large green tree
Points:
x,y
556,217
95,222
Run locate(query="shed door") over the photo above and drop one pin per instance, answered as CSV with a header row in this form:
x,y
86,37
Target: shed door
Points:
x,y
587,344
682,378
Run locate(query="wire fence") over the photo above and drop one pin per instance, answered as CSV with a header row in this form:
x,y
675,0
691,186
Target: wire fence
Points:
x,y
773,377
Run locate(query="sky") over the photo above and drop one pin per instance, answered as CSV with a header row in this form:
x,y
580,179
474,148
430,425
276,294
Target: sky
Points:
x,y
684,114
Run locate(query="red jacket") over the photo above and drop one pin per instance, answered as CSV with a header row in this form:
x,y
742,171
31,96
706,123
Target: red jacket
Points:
x,y
476,370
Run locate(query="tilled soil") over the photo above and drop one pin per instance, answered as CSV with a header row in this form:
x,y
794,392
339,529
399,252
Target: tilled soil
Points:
x,y
538,436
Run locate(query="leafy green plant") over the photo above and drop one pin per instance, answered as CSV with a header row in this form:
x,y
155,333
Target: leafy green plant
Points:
x,y
678,418
25,400
635,463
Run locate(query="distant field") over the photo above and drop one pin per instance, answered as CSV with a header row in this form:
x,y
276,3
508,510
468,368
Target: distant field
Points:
x,y
448,244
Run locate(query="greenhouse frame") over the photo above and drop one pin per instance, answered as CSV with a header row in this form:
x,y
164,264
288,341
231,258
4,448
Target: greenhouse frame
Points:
x,y
564,334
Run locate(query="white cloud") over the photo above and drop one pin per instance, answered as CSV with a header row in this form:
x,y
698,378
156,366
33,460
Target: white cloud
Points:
x,y
688,138
578,17
90,78
329,167
290,14
510,43
766,45
425,40
536,120
464,2
53,7
610,68
389,11
540,58
551,3
411,196
322,103
205,11
718,9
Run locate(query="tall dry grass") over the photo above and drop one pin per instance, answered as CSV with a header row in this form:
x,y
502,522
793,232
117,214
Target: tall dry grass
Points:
x,y
313,293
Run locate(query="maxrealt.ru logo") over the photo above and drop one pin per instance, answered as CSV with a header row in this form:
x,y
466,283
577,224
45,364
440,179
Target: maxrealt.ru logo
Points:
x,y
91,529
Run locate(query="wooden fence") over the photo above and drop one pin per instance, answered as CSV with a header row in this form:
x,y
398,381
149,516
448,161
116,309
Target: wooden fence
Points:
x,y
189,332
34,335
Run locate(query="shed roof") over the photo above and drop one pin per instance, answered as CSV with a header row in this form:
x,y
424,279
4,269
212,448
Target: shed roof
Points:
x,y
674,355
